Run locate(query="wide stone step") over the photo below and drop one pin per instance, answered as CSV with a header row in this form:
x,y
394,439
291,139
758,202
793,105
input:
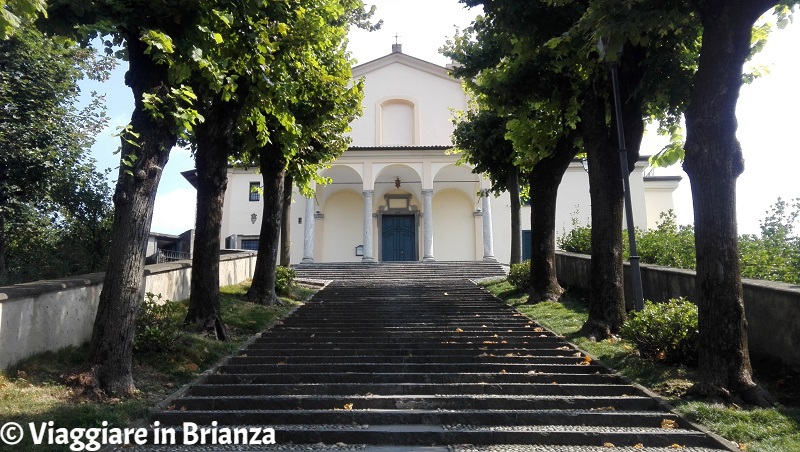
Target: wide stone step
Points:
x,y
415,402
413,368
402,271
278,350
448,360
409,377
385,389
423,435
597,418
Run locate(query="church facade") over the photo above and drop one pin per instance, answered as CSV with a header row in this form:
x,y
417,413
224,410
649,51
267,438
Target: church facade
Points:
x,y
398,193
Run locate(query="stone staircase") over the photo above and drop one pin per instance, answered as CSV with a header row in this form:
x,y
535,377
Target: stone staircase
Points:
x,y
389,365
472,270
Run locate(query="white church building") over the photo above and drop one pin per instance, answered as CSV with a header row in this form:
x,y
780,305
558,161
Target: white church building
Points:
x,y
398,193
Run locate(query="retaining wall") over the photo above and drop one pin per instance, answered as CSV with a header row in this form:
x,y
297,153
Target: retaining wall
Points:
x,y
772,309
50,315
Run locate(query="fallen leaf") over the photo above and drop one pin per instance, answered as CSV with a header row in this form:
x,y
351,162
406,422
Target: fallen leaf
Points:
x,y
191,367
281,363
577,354
504,342
563,348
348,406
661,356
638,446
538,329
503,371
669,423
604,408
743,446
676,446
609,445
459,330
587,359
170,407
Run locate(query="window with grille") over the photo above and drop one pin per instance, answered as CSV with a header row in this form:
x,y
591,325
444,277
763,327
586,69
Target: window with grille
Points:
x,y
250,245
255,195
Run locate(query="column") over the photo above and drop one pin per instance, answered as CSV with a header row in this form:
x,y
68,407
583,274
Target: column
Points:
x,y
367,226
427,224
308,232
488,241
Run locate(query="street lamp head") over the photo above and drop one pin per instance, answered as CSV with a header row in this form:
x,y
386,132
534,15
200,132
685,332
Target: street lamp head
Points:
x,y
609,51
602,46
585,163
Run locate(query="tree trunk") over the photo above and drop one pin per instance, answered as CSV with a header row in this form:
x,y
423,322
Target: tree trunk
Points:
x,y
606,297
4,210
286,221
713,162
214,144
273,170
3,266
544,180
115,324
512,184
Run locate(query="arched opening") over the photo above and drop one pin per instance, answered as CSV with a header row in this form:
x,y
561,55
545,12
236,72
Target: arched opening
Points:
x,y
397,123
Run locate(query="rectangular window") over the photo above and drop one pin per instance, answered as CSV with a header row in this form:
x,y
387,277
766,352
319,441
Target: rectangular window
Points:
x,y
250,245
255,195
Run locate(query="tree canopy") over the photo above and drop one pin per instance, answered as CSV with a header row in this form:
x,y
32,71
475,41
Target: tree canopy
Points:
x,y
50,190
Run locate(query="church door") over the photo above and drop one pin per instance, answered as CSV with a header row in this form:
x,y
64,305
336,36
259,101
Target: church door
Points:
x,y
399,238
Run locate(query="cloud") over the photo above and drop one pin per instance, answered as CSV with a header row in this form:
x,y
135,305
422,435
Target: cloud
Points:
x,y
174,212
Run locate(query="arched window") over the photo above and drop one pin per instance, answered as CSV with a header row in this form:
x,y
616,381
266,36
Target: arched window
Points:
x,y
398,123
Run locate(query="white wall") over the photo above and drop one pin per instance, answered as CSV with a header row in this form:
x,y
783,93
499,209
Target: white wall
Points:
x,y
50,315
453,227
342,227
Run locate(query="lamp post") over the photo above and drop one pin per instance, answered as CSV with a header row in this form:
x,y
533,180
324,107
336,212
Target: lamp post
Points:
x,y
636,273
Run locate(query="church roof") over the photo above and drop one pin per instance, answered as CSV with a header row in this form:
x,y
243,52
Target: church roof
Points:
x,y
398,57
401,148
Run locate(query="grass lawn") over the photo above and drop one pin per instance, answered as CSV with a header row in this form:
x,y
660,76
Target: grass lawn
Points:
x,y
53,386
774,430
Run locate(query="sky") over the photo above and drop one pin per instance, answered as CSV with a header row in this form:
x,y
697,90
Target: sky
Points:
x,y
768,113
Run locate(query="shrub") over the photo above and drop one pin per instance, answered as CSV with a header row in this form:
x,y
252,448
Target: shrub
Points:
x,y
577,240
520,275
775,255
284,280
665,331
667,244
158,325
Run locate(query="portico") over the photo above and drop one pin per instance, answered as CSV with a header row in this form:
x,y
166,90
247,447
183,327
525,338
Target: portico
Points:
x,y
409,201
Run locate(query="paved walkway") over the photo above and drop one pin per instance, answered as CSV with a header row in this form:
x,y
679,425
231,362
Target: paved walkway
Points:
x,y
374,364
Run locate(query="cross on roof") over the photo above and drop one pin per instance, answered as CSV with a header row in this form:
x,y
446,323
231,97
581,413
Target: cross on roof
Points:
x,y
396,38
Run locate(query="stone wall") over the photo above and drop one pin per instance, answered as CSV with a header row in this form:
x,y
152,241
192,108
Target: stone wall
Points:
x,y
772,309
50,315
